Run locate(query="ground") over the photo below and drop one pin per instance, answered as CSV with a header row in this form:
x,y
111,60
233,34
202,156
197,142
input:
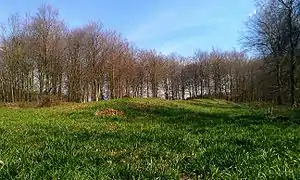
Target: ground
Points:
x,y
152,138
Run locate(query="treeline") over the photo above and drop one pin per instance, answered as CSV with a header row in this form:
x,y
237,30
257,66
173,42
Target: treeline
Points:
x,y
40,57
274,32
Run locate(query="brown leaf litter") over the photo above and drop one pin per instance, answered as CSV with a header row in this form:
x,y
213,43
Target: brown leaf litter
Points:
x,y
109,112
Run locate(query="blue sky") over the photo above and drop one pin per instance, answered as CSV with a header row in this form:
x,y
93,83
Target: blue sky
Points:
x,y
180,26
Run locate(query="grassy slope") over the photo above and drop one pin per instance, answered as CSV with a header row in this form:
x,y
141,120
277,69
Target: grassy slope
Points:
x,y
157,138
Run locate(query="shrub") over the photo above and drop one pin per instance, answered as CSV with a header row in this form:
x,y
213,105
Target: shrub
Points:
x,y
48,100
273,114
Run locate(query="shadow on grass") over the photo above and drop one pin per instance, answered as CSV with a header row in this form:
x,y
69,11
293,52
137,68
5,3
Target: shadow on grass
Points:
x,y
212,104
93,148
182,116
177,114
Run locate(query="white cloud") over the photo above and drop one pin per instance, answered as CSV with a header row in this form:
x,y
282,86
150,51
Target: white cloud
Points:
x,y
252,13
184,46
171,20
176,47
182,29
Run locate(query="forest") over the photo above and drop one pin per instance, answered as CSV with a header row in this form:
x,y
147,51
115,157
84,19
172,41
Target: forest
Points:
x,y
42,58
85,102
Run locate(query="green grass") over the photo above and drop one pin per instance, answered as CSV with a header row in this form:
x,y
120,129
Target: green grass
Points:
x,y
204,139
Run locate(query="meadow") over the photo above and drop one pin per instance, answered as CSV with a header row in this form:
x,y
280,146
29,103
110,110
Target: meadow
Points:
x,y
150,139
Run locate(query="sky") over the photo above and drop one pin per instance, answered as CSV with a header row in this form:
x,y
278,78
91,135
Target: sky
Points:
x,y
180,26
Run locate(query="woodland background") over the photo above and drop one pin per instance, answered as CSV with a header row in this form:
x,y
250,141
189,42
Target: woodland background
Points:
x,y
42,59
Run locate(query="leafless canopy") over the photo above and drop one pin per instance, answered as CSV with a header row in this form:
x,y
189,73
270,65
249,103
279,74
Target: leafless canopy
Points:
x,y
40,56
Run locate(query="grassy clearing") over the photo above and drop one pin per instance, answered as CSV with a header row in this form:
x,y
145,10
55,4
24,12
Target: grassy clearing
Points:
x,y
155,138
